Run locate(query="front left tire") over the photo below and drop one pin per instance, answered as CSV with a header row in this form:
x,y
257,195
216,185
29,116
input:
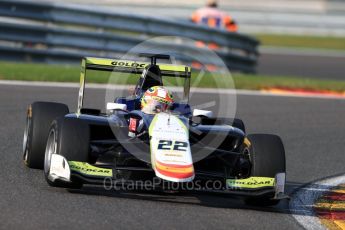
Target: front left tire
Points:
x,y
267,155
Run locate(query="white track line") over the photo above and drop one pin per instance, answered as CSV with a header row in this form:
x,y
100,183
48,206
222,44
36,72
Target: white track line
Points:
x,y
301,203
176,89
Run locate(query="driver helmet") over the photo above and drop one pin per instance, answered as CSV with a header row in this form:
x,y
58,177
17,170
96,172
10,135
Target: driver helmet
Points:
x,y
155,100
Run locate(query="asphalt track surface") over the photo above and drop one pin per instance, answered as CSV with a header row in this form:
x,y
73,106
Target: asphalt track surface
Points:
x,y
313,131
315,66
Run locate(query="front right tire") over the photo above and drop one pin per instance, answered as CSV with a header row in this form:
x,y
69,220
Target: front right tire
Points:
x,y
68,137
39,118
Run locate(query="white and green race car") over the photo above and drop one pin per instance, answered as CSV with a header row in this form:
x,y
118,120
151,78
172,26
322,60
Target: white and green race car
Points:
x,y
90,147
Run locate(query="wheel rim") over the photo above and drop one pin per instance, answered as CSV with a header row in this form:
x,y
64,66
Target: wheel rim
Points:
x,y
26,139
50,149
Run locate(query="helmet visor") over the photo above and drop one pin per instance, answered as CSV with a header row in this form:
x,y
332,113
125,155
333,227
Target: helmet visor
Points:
x,y
153,106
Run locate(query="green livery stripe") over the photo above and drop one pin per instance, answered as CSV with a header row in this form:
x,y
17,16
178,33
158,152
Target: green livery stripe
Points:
x,y
152,125
89,170
182,125
251,182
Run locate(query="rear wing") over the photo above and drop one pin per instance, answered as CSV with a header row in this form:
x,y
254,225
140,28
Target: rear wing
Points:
x,y
133,67
125,66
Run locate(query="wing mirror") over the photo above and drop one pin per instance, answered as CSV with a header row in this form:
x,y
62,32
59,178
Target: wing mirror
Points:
x,y
200,112
111,106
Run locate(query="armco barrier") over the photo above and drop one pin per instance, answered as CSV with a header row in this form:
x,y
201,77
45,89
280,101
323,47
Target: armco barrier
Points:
x,y
65,33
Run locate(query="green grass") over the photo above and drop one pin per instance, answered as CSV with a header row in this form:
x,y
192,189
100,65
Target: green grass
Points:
x,y
41,72
333,43
64,73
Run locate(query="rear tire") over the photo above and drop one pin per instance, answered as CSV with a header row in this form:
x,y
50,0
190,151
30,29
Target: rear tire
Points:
x,y
267,155
39,117
71,138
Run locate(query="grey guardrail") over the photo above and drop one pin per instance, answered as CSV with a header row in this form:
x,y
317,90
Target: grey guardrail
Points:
x,y
68,33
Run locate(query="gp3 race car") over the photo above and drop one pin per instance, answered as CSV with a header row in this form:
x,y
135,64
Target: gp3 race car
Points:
x,y
91,147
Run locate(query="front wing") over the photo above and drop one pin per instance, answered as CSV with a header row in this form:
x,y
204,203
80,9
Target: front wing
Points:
x,y
70,171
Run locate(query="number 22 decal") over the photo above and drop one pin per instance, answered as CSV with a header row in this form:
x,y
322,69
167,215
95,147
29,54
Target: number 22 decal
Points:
x,y
172,145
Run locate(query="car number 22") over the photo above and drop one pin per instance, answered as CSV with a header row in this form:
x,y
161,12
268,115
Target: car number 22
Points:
x,y
172,145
